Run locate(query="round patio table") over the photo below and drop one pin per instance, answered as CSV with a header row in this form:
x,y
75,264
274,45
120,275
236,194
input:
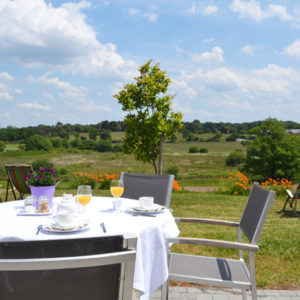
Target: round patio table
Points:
x,y
151,261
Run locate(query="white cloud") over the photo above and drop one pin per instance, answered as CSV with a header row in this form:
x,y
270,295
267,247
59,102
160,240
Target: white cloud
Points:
x,y
250,49
205,11
35,106
150,14
5,92
33,33
252,10
66,89
210,10
91,107
208,41
5,96
213,57
293,50
225,91
5,76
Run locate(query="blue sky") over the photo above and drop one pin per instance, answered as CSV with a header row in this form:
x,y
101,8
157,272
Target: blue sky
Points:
x,y
229,60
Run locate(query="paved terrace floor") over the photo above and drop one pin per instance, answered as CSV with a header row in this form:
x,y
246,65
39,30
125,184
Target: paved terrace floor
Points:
x,y
191,293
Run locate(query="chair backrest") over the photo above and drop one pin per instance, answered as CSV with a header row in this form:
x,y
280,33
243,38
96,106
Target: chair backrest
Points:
x,y
17,175
255,212
86,268
157,186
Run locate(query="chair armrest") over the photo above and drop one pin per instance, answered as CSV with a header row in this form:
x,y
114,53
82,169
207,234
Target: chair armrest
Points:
x,y
207,221
215,243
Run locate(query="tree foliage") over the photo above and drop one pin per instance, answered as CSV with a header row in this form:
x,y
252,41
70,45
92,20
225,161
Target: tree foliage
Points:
x,y
274,153
38,142
149,120
2,146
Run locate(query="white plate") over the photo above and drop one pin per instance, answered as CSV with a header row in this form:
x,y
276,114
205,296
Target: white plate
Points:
x,y
154,209
55,227
24,213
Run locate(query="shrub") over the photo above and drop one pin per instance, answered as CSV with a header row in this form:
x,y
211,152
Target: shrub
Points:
x,y
2,146
176,186
63,171
92,178
117,148
236,184
203,150
193,149
38,142
277,185
173,169
103,146
56,143
42,163
235,158
65,143
85,179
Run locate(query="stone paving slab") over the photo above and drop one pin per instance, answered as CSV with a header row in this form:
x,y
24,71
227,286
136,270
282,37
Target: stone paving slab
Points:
x,y
192,293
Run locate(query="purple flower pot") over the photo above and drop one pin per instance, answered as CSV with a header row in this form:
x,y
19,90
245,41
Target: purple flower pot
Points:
x,y
39,191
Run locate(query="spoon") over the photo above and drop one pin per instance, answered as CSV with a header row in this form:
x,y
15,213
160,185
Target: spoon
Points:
x,y
103,227
39,229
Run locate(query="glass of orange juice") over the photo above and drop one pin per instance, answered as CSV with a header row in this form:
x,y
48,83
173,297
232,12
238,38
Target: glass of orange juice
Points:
x,y
117,189
84,195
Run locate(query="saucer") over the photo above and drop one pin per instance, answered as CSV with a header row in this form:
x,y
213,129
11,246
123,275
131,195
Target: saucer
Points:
x,y
54,226
155,208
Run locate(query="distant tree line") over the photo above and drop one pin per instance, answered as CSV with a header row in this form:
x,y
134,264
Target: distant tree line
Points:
x,y
188,130
61,130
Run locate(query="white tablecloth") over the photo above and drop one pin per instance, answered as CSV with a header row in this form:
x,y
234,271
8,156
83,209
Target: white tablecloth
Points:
x,y
151,263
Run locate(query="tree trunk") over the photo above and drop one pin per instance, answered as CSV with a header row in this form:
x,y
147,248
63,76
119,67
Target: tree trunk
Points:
x,y
154,164
161,154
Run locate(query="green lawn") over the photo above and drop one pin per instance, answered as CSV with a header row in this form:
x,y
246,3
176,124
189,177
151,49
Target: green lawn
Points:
x,y
278,260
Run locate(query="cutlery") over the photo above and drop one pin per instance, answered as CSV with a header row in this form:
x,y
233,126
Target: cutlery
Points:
x,y
39,229
103,227
152,216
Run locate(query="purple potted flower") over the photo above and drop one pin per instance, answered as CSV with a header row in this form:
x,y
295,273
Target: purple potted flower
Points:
x,y
42,183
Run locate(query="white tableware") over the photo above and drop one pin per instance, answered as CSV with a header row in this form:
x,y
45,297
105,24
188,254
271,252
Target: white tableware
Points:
x,y
117,203
117,189
153,210
146,202
35,213
65,218
56,227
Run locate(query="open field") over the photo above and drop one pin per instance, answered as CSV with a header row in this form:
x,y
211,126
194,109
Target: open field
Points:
x,y
277,261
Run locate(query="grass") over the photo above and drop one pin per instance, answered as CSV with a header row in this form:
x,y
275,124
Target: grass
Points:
x,y
277,261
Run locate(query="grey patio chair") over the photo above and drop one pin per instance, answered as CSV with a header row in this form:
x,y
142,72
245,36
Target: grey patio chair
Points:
x,y
157,186
232,273
86,268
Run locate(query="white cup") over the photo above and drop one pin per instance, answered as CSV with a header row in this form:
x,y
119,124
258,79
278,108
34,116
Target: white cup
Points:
x,y
65,218
146,202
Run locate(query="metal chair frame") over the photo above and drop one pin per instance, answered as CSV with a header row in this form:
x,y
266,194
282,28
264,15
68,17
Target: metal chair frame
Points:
x,y
198,269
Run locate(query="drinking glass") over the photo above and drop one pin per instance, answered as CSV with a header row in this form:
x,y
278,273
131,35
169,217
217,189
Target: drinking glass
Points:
x,y
84,195
117,189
